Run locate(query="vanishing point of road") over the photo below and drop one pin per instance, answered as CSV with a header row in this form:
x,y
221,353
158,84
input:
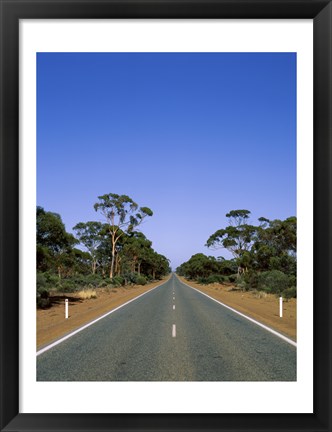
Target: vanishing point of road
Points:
x,y
171,333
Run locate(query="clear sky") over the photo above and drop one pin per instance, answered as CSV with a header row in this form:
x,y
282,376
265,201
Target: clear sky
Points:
x,y
190,135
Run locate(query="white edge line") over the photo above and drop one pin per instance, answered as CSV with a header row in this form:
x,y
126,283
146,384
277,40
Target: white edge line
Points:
x,y
57,342
290,341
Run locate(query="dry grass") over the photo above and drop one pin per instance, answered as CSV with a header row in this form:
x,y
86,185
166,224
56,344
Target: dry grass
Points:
x,y
51,322
87,294
259,294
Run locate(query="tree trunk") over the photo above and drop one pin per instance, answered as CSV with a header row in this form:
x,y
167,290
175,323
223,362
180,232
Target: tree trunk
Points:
x,y
113,256
134,264
117,265
112,264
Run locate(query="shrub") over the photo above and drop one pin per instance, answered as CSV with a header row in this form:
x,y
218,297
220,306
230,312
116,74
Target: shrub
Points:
x,y
129,278
289,293
247,281
46,281
66,285
134,278
78,280
242,284
104,283
41,281
117,281
43,303
273,281
42,297
42,294
51,279
233,277
210,279
93,280
202,280
215,279
140,280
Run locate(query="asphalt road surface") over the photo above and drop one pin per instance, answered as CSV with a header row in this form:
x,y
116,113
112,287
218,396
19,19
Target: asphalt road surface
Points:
x,y
172,333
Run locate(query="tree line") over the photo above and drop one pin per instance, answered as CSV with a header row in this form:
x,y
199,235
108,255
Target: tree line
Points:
x,y
111,253
263,255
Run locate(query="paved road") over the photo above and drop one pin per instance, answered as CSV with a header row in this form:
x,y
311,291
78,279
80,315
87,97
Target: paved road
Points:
x,y
172,333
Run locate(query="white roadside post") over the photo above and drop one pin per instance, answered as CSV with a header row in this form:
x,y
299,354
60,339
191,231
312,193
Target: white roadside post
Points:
x,y
280,307
66,308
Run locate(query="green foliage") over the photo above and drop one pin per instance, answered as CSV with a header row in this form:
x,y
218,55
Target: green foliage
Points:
x,y
140,280
112,248
42,292
273,281
105,283
66,286
117,281
51,232
233,278
122,215
289,293
91,236
135,279
93,280
264,255
41,281
43,303
215,278
248,281
237,237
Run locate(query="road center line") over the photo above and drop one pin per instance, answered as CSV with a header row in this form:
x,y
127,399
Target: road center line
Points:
x,y
174,331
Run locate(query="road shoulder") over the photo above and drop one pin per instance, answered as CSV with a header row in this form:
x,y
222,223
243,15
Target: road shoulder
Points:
x,y
263,308
51,322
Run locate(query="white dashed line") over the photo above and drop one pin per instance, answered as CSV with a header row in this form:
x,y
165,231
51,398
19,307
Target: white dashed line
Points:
x,y
174,330
173,298
173,307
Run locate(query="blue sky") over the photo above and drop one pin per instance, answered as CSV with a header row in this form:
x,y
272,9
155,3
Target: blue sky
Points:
x,y
190,135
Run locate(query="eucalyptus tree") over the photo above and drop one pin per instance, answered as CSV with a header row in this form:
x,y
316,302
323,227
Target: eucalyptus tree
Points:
x,y
54,244
155,264
135,248
237,238
199,265
275,245
89,234
122,215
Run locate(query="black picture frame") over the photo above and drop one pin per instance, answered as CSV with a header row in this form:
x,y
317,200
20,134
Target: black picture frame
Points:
x,y
14,10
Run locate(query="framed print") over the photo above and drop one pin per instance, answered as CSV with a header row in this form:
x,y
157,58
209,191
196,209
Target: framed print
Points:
x,y
218,116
